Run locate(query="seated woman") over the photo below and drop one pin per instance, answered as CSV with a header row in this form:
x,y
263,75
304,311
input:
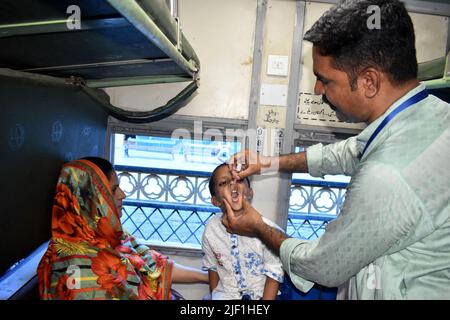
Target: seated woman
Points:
x,y
90,256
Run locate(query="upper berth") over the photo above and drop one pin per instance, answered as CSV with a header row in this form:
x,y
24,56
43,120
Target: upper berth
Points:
x,y
435,74
96,44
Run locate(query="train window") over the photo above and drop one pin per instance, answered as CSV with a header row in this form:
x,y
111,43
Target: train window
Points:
x,y
314,202
166,183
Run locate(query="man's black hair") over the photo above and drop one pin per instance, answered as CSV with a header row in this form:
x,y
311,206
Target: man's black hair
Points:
x,y
344,34
212,180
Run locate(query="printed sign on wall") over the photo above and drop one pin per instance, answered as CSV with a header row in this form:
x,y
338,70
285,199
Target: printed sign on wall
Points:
x,y
269,141
270,116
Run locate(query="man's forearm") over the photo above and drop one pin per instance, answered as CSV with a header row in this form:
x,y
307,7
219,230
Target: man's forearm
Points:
x,y
271,237
294,162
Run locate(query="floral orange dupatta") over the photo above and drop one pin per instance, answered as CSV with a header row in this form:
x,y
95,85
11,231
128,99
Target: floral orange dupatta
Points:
x,y
89,255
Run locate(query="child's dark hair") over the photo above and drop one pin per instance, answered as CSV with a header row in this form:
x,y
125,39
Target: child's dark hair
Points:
x,y
212,180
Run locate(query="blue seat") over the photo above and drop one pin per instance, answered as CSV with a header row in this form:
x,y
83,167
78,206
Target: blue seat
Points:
x,y
318,292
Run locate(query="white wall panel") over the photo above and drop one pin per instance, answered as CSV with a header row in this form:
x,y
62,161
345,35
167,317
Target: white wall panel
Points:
x,y
222,35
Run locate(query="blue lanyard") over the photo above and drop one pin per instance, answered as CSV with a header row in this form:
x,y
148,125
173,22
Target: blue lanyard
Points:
x,y
406,104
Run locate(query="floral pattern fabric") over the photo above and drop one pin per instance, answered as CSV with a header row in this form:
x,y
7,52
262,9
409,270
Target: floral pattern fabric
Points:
x,y
89,255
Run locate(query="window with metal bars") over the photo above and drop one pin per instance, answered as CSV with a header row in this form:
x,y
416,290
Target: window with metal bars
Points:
x,y
166,183
314,202
168,201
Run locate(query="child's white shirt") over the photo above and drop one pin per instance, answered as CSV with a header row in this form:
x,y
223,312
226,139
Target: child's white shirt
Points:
x,y
243,263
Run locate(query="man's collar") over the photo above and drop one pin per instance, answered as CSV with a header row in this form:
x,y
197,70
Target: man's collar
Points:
x,y
364,135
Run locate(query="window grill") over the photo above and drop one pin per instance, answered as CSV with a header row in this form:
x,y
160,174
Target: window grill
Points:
x,y
173,206
312,205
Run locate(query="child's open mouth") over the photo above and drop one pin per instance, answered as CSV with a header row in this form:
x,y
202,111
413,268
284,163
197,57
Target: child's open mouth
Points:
x,y
234,196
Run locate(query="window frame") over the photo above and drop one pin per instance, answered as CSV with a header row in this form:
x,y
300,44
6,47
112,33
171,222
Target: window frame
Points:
x,y
304,137
164,128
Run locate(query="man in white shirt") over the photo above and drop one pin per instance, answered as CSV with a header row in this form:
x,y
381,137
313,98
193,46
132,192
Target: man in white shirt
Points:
x,y
391,239
239,267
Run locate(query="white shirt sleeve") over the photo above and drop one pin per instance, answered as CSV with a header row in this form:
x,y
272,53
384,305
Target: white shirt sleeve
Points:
x,y
337,158
209,261
379,216
272,265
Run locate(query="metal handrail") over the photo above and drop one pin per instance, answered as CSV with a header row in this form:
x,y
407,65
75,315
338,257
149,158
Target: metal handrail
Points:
x,y
173,172
136,15
319,183
171,205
